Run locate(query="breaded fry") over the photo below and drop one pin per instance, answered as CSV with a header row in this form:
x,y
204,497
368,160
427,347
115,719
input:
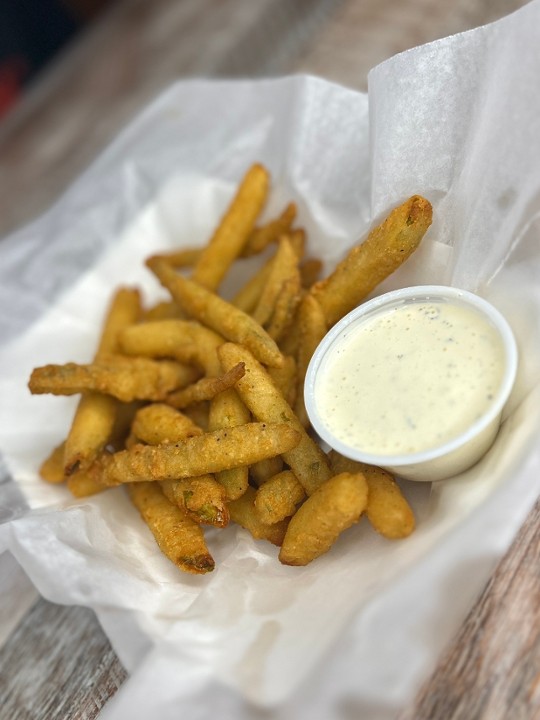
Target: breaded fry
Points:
x,y
206,389
234,229
165,338
312,328
206,343
290,341
184,340
285,379
126,379
199,413
310,271
125,412
388,511
385,249
94,418
219,315
284,267
285,308
260,472
210,452
261,237
234,482
90,431
164,310
85,483
247,297
178,537
311,325
228,410
262,397
182,258
52,468
317,524
278,497
202,497
124,310
298,240
243,513
160,424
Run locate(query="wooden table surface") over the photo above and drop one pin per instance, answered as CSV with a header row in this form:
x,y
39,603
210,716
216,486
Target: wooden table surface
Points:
x,y
491,669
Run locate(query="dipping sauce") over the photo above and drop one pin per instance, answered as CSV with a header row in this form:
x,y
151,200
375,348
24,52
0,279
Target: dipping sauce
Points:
x,y
410,377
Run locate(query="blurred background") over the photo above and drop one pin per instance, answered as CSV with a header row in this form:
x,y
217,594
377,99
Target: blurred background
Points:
x,y
31,33
74,72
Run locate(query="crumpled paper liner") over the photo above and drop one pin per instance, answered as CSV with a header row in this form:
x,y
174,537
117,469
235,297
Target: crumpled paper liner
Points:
x,y
354,632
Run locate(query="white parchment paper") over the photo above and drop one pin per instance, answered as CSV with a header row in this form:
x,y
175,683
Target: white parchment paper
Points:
x,y
354,633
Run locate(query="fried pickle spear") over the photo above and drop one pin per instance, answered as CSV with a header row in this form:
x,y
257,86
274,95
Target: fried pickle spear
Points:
x,y
206,389
318,523
311,326
261,237
95,415
163,310
388,511
234,229
243,513
278,497
286,306
228,410
260,472
218,314
183,258
163,338
280,275
262,397
160,424
202,497
184,340
178,537
248,296
284,267
126,379
385,249
310,271
286,379
90,430
200,414
210,452
52,468
88,481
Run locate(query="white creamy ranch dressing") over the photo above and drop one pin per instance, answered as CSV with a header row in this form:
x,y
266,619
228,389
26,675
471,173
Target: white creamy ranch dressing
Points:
x,y
410,378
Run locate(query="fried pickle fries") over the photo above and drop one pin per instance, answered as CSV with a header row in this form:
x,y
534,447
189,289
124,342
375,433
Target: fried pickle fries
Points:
x,y
195,404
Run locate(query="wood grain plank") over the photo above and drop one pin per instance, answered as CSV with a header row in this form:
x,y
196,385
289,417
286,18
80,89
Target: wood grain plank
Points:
x,y
57,665
18,595
491,671
135,51
361,35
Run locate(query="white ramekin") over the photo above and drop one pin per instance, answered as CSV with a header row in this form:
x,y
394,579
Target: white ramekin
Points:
x,y
454,456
